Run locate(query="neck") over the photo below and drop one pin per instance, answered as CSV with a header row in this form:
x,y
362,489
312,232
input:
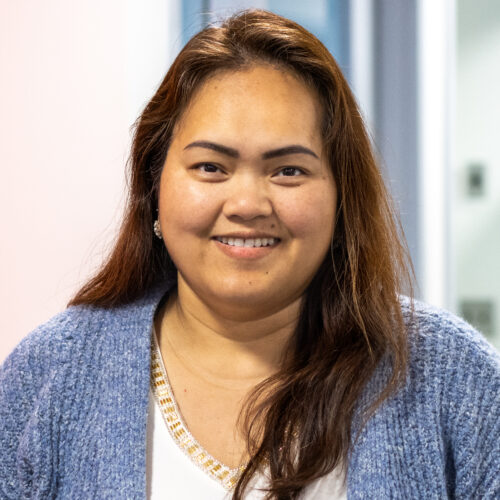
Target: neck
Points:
x,y
222,349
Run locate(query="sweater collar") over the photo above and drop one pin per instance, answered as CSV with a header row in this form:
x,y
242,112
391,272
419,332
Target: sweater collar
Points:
x,y
130,354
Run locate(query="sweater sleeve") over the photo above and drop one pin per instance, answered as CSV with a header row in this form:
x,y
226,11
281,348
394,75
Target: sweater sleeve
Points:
x,y
27,381
17,399
473,412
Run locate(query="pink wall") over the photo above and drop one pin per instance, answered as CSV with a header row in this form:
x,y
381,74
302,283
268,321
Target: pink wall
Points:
x,y
74,75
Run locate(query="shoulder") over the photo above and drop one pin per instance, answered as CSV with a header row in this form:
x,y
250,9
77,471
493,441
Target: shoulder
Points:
x,y
51,343
440,339
54,341
47,345
452,370
448,355
37,368
75,340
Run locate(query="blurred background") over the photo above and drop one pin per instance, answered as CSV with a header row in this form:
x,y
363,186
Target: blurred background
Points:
x,y
75,75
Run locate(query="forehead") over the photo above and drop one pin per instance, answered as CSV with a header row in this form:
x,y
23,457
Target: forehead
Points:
x,y
260,103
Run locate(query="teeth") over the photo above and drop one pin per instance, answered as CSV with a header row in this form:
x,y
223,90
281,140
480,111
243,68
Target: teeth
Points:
x,y
250,242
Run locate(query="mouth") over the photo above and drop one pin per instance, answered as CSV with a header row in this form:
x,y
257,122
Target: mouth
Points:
x,y
248,242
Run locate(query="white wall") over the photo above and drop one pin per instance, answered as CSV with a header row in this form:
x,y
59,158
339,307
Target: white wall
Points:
x,y
436,53
74,76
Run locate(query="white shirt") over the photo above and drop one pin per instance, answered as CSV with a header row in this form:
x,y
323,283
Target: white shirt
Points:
x,y
176,464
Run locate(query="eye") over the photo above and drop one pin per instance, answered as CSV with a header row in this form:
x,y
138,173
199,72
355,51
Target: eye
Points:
x,y
290,172
208,168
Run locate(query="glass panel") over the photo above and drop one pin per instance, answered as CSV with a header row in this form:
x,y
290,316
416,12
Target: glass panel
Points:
x,y
327,19
476,201
194,16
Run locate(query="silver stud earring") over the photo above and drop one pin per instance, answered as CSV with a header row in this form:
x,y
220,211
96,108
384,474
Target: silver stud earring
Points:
x,y
157,229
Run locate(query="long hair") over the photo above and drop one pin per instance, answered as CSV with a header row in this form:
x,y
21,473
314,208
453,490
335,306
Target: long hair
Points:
x,y
299,421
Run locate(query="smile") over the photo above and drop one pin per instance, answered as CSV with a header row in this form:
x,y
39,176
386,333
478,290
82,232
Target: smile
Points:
x,y
248,242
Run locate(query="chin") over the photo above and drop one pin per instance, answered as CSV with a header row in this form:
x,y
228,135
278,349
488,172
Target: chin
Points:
x,y
237,295
245,299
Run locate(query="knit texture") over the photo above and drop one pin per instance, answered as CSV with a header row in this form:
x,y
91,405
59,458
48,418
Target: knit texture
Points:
x,y
74,401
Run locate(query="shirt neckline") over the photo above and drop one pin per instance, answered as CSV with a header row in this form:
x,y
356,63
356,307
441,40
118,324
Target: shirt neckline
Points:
x,y
177,428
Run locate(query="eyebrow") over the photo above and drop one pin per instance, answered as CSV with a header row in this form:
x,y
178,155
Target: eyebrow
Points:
x,y
273,153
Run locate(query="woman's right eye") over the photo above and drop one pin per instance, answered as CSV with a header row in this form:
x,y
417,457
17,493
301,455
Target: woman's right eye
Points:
x,y
208,168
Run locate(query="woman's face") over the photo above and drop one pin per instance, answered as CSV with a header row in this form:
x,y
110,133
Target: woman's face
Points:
x,y
247,199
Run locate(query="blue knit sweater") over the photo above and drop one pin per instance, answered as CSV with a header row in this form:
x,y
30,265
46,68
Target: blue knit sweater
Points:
x,y
74,399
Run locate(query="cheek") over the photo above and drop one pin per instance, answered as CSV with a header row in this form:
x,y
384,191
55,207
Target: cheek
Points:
x,y
309,214
185,207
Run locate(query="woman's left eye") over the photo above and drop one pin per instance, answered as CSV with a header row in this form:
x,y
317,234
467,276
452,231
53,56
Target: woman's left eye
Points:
x,y
290,172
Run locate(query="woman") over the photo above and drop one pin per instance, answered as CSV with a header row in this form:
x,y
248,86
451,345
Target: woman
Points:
x,y
247,336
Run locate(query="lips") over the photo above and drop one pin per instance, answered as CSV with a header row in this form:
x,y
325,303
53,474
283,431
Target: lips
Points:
x,y
248,242
242,246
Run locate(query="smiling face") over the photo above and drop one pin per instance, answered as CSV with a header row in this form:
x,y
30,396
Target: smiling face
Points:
x,y
247,199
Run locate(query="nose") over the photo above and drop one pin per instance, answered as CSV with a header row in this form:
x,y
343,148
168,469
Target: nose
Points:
x,y
247,198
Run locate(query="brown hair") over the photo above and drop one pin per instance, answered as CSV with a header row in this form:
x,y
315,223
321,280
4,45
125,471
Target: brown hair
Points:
x,y
351,315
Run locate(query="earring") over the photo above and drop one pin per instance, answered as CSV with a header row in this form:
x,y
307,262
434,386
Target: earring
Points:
x,y
157,229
